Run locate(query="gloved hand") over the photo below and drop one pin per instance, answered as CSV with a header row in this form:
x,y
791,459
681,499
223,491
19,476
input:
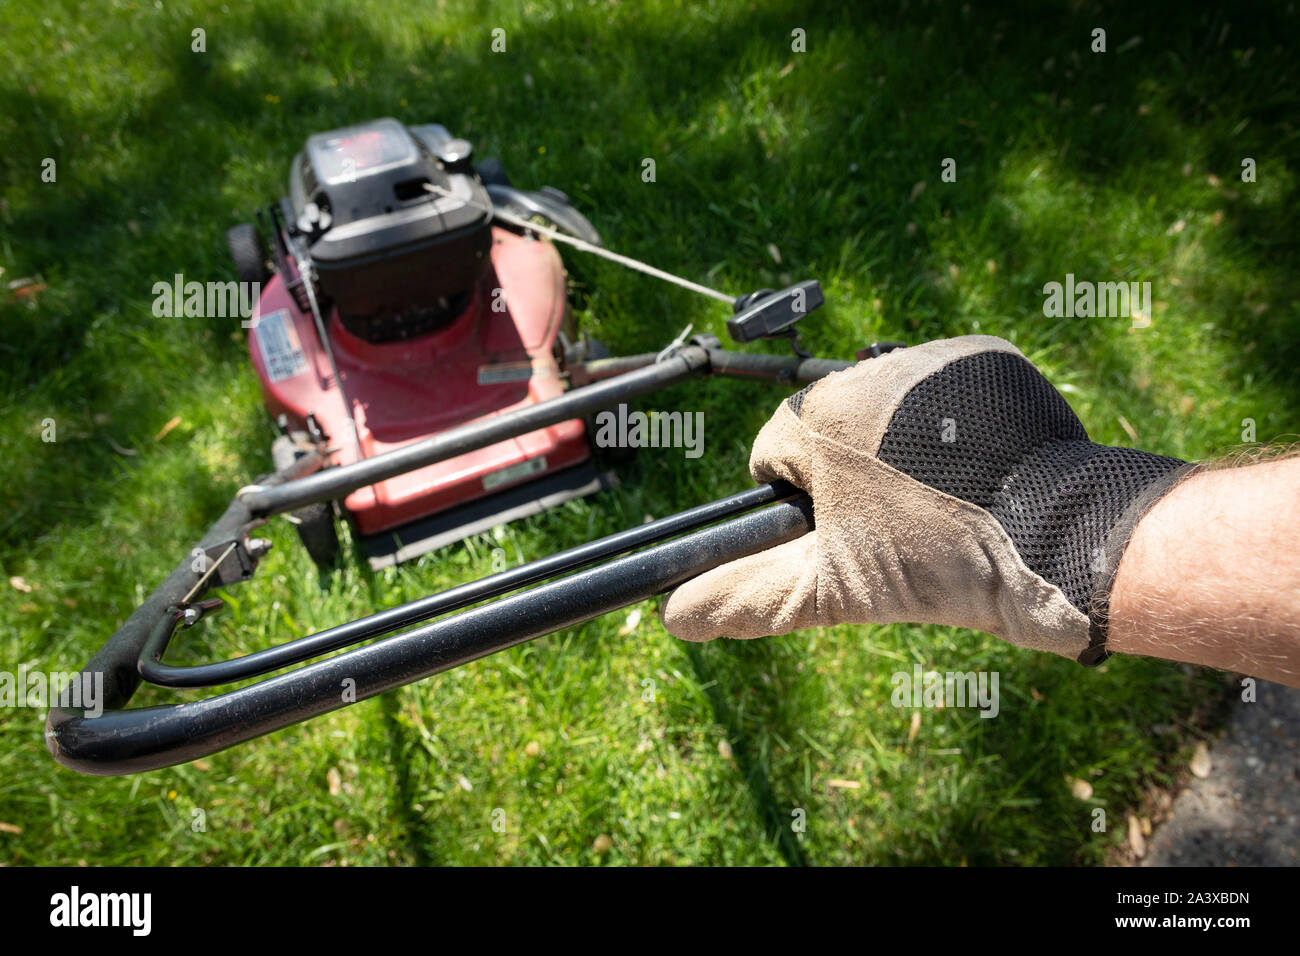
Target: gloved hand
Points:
x,y
951,484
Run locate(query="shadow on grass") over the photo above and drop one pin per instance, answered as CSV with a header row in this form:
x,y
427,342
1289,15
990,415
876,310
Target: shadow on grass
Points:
x,y
750,759
418,839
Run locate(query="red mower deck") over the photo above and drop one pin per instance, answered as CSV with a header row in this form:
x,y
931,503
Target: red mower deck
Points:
x,y
499,355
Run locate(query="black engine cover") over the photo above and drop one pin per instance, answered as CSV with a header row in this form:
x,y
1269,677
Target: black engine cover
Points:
x,y
396,259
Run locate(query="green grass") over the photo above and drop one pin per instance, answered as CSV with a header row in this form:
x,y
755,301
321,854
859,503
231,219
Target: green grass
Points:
x,y
1124,165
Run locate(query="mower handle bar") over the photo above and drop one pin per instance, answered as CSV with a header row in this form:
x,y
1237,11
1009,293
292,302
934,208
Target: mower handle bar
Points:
x,y
685,362
153,670
130,740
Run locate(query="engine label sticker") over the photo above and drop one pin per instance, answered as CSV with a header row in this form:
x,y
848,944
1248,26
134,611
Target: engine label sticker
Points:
x,y
504,476
281,349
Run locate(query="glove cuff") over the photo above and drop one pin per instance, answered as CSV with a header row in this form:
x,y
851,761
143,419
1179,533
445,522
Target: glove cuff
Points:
x,y
1117,541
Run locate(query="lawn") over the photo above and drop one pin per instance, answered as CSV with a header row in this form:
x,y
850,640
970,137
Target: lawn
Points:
x,y
613,742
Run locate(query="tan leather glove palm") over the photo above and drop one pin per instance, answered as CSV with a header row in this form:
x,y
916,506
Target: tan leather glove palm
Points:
x,y
951,484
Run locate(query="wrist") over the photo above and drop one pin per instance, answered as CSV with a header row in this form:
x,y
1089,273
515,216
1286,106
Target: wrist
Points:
x,y
1211,574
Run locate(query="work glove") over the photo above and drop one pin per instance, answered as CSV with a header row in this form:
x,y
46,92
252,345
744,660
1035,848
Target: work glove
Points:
x,y
951,484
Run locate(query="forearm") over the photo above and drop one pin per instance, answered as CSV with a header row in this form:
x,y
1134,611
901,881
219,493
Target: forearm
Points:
x,y
1212,574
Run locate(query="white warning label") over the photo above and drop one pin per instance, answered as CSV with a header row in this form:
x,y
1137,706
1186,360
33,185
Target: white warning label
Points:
x,y
281,350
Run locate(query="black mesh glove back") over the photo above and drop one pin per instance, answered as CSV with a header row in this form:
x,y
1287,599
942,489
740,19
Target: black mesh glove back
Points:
x,y
951,484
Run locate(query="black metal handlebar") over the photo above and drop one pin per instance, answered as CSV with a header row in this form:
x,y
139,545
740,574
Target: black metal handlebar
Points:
x,y
147,738
124,740
153,670
685,362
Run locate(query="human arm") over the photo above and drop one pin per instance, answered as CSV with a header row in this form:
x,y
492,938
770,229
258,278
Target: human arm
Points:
x,y
1211,574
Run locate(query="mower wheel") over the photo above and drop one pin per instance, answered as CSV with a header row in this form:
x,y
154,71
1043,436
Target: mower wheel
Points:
x,y
315,522
318,534
249,253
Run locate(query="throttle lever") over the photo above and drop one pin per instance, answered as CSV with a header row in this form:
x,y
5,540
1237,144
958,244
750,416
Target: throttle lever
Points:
x,y
766,314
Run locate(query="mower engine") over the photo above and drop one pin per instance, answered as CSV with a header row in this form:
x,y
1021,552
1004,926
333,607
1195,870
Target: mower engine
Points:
x,y
396,310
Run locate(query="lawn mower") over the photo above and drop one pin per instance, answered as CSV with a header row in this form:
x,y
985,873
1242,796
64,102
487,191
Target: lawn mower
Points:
x,y
414,345
422,315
